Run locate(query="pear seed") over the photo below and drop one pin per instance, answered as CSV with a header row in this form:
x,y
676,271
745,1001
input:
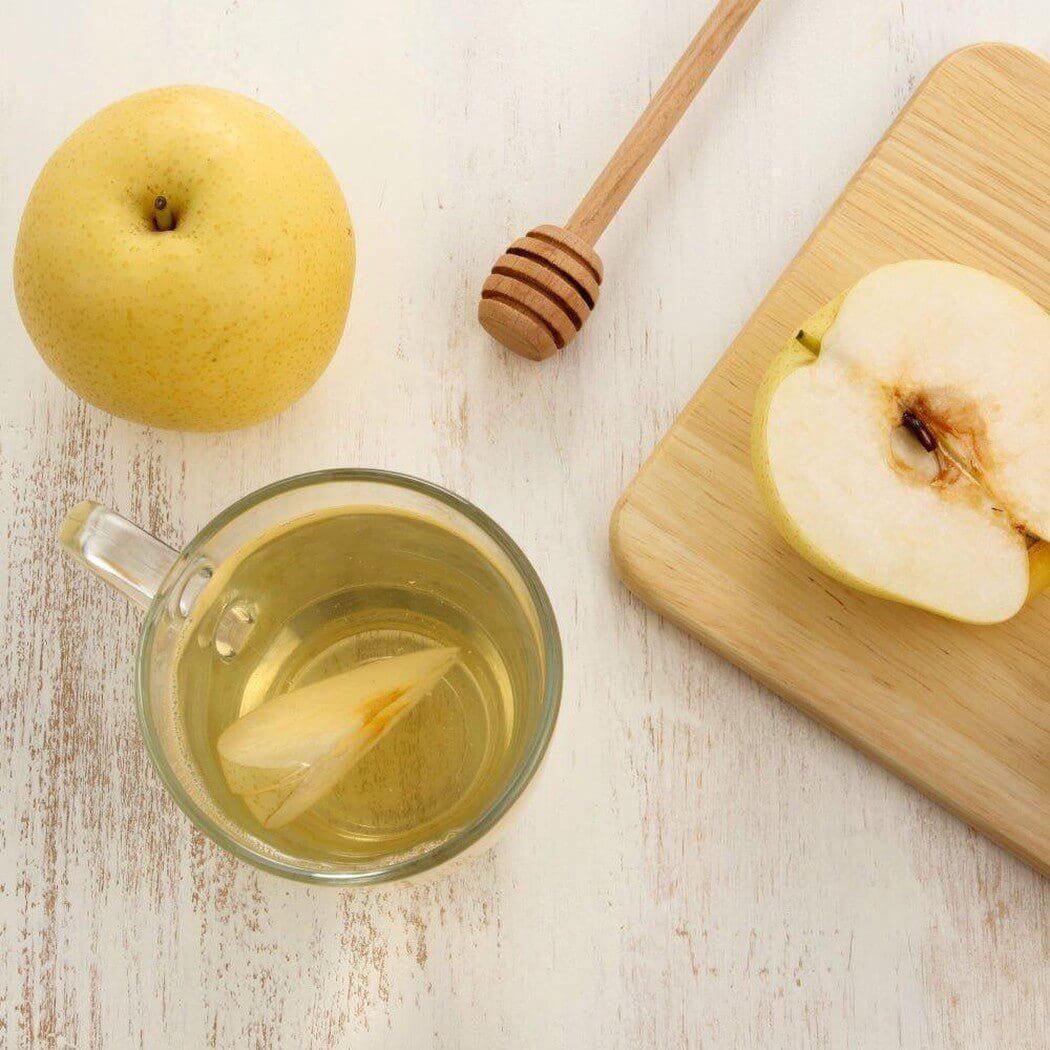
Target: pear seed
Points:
x,y
919,429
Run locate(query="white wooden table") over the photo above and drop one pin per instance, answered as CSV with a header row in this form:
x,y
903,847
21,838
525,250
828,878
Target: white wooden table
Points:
x,y
699,865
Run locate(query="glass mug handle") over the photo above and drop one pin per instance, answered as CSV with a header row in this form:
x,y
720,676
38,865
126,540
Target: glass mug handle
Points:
x,y
129,560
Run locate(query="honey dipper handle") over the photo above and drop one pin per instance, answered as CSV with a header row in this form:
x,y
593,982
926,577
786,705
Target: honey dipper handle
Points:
x,y
644,140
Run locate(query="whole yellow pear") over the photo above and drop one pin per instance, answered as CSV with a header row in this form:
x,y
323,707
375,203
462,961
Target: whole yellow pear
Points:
x,y
217,322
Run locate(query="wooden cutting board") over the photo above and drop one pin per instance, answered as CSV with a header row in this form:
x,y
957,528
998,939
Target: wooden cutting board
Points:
x,y
961,712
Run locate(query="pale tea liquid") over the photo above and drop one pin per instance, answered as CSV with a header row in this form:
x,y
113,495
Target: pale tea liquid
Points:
x,y
328,592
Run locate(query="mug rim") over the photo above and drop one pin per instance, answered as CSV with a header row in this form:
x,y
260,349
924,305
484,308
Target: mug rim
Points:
x,y
493,813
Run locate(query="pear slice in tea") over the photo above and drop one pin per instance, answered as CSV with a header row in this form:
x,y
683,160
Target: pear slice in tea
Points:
x,y
287,754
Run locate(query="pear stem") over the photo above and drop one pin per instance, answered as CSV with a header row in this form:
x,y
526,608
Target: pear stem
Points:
x,y
163,219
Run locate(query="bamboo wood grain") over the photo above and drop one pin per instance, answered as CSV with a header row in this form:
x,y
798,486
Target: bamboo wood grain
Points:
x,y
535,298
962,712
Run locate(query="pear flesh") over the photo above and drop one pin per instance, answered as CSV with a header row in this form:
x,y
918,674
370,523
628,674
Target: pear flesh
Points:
x,y
902,440
286,755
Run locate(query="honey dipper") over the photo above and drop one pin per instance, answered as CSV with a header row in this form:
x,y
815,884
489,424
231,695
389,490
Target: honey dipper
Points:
x,y
545,284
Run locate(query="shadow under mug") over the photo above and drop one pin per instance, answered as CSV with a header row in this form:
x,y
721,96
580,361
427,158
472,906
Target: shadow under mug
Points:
x,y
165,583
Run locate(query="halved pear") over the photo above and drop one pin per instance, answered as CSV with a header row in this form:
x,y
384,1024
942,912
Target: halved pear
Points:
x,y
285,755
902,440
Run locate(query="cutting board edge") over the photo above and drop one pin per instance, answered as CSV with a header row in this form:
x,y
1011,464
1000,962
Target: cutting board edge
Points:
x,y
1036,856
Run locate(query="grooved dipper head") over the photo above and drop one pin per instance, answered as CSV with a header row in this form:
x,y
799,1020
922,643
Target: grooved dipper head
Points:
x,y
540,292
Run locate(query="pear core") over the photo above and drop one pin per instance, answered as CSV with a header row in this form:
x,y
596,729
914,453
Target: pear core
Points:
x,y
902,441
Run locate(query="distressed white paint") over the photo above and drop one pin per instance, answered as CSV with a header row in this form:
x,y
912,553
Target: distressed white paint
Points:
x,y
699,865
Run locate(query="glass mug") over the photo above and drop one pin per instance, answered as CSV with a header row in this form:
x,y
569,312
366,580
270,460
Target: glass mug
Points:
x,y
307,578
